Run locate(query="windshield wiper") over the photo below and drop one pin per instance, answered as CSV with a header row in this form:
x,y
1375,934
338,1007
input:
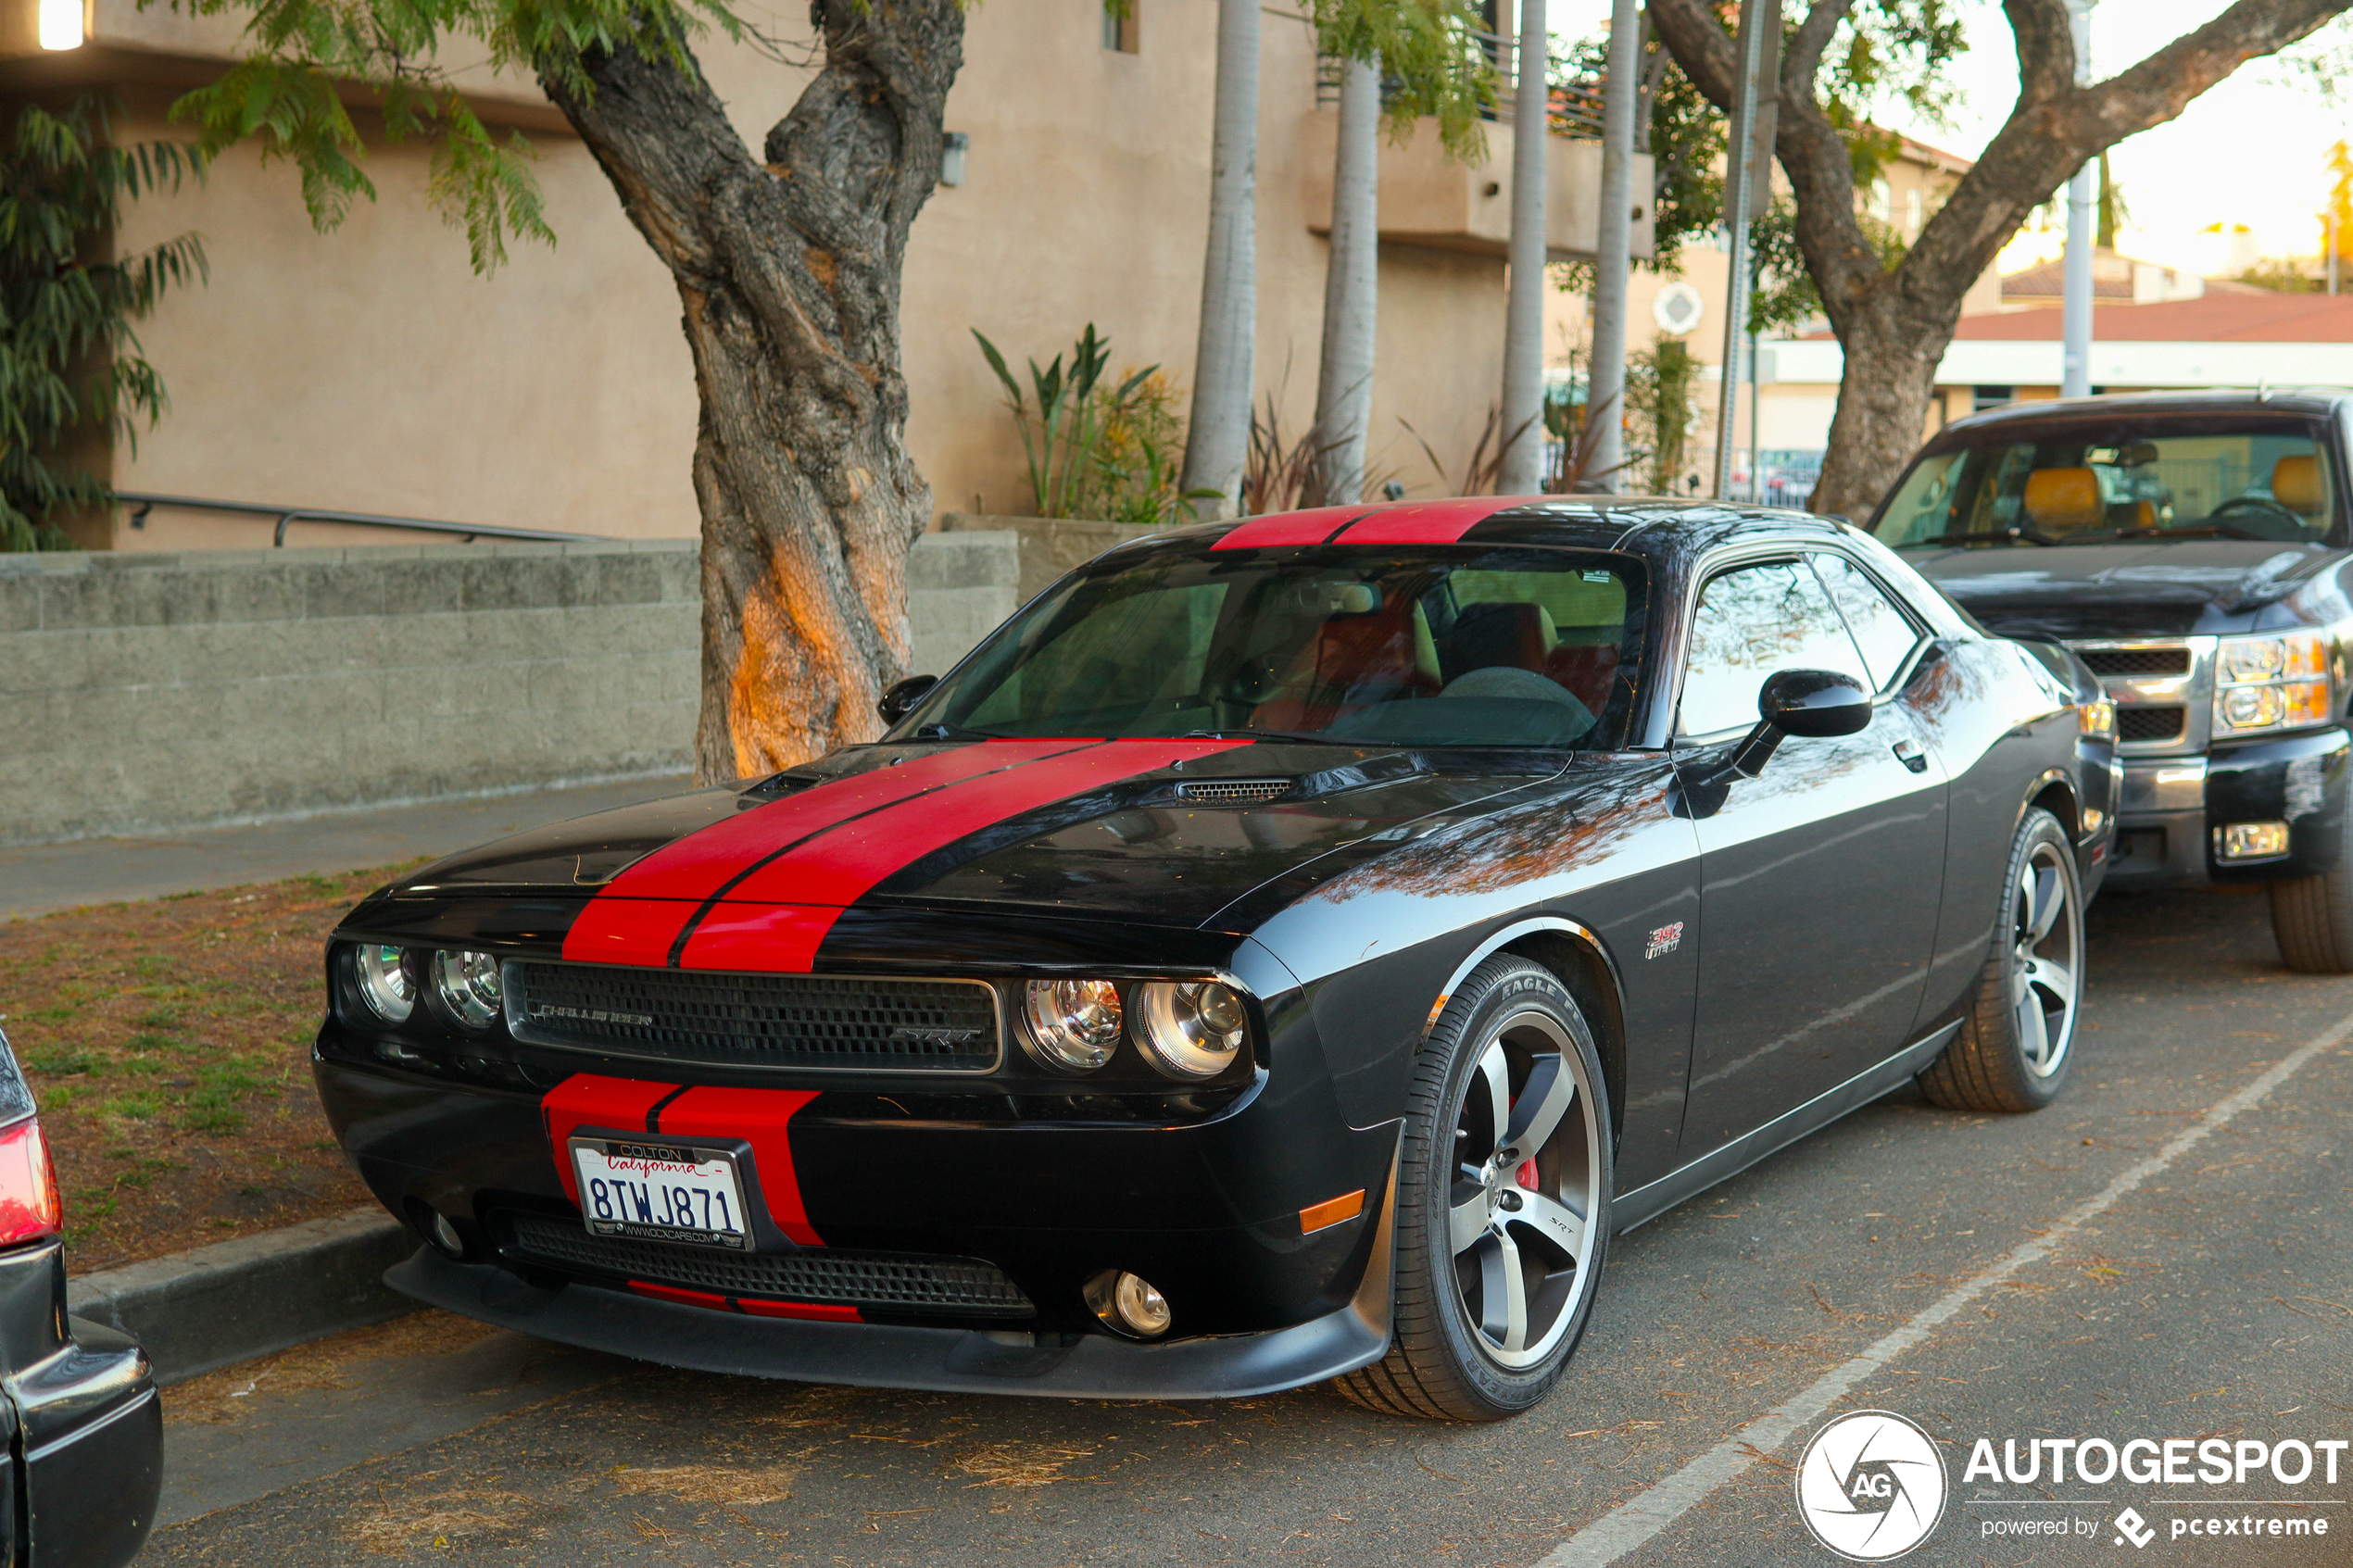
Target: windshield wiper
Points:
x,y
1272,734
957,731
2006,537
2220,529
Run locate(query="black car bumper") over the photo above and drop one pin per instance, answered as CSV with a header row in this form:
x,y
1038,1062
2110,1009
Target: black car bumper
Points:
x,y
89,1427
1070,1364
2173,808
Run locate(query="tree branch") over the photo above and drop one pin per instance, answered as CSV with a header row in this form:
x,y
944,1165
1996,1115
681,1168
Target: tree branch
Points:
x,y
2045,49
1700,45
1803,61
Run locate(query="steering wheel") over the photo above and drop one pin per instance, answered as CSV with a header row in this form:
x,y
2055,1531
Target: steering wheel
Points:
x,y
2257,508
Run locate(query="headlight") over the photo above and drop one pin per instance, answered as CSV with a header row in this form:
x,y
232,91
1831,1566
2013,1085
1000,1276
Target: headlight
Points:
x,y
1190,1029
1074,1024
2280,682
384,984
468,985
2096,717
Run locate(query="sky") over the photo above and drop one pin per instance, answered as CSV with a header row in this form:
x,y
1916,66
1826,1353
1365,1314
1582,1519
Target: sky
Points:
x,y
2250,151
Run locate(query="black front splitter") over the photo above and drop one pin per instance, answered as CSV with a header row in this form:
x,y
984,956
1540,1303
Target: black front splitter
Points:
x,y
1092,1366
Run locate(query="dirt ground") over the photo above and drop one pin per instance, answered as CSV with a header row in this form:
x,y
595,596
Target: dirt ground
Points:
x,y
167,1042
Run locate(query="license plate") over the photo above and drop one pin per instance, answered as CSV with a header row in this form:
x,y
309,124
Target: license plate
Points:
x,y
662,1191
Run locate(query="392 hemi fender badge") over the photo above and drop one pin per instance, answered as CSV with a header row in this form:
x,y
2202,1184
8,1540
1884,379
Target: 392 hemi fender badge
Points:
x,y
1665,939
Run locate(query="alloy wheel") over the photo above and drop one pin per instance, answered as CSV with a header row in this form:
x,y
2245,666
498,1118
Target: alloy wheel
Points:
x,y
2044,961
1526,1167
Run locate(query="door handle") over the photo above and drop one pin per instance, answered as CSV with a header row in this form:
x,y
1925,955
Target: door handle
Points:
x,y
1909,752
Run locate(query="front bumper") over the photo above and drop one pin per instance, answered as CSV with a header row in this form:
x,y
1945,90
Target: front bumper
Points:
x,y
2172,806
1070,1364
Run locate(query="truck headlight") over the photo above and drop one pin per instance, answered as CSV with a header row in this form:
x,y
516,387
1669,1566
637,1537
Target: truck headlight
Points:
x,y
2273,682
2096,717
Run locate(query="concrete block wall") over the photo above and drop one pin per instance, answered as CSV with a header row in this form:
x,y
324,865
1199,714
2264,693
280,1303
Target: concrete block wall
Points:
x,y
148,692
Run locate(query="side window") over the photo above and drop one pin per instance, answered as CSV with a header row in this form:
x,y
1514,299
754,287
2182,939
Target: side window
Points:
x,y
1750,622
1881,629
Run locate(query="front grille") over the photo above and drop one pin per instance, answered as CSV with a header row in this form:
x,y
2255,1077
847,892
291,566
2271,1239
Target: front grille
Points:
x,y
757,1020
2155,723
2137,661
1232,792
901,1282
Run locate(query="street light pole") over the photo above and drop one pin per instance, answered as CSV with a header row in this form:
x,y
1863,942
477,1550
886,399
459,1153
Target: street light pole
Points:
x,y
1614,245
2075,320
1748,183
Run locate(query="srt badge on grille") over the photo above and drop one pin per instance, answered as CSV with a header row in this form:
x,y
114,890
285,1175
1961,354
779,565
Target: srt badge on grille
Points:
x,y
943,1039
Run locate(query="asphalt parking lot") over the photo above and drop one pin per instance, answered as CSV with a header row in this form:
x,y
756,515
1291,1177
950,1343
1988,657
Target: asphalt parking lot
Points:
x,y
2167,1253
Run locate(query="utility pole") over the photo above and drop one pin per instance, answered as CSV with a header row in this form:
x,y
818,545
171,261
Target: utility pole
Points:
x,y
2332,223
1614,244
1521,471
2075,320
1748,187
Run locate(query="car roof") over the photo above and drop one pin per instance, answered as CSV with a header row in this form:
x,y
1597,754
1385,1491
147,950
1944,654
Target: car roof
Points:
x,y
2213,400
1644,523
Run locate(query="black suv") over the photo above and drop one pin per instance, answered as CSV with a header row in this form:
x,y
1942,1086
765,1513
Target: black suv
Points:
x,y
2193,548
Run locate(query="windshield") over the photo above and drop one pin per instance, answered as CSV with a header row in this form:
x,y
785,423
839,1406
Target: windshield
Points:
x,y
2093,482
1443,645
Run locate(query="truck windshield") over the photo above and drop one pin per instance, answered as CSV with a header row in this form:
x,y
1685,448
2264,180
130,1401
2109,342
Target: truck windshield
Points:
x,y
2090,483
1440,646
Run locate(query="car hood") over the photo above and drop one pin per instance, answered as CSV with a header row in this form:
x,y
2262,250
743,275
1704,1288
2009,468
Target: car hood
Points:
x,y
2128,589
1155,832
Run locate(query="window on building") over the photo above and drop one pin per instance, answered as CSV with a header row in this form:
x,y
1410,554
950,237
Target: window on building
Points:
x,y
1121,32
1992,397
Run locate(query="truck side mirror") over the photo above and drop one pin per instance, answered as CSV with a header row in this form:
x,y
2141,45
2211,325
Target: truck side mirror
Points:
x,y
901,698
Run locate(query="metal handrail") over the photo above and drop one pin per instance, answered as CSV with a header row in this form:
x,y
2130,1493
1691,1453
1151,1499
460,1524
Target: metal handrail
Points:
x,y
141,502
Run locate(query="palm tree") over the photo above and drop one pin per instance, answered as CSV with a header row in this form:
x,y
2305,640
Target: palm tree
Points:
x,y
1218,436
1523,404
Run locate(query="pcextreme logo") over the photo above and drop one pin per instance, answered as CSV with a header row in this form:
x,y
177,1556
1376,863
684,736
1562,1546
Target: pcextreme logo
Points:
x,y
1871,1485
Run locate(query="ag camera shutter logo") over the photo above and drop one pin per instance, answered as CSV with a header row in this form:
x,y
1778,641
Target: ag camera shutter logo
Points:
x,y
1871,1485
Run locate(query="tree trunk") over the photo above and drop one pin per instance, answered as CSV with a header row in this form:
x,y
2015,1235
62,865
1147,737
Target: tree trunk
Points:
x,y
1624,120
1520,469
1352,294
788,268
1882,403
1218,436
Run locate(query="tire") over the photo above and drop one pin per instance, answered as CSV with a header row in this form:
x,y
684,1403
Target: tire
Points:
x,y
2312,916
2016,1049
1478,1228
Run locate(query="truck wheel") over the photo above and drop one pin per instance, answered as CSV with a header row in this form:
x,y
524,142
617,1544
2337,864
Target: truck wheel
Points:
x,y
2016,1046
1503,1203
2312,916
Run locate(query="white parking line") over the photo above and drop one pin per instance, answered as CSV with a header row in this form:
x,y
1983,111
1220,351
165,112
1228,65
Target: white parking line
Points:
x,y
1634,1523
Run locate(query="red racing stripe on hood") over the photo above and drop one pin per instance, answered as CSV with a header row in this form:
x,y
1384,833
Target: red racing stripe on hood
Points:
x,y
1429,523
636,919
833,871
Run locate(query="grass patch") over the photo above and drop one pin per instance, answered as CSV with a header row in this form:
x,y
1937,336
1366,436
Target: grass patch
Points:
x,y
62,1061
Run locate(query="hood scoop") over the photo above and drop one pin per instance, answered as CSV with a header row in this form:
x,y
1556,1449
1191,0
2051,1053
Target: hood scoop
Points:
x,y
1233,792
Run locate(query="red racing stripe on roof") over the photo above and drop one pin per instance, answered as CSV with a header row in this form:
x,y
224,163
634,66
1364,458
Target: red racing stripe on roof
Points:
x,y
834,869
1428,523
636,919
1290,528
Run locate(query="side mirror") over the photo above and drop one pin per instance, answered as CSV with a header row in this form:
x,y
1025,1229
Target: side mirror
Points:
x,y
900,699
1816,704
1811,704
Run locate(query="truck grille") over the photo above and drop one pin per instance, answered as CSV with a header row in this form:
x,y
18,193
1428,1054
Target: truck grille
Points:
x,y
779,1020
2137,661
2149,724
902,1282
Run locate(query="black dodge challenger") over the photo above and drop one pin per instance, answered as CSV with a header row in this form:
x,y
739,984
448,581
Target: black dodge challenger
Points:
x,y
1286,950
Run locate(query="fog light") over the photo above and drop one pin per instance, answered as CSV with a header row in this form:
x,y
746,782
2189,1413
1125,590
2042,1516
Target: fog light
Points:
x,y
2251,841
1128,1304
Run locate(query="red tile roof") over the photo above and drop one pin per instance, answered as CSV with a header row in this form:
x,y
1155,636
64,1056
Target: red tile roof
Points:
x,y
2216,317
